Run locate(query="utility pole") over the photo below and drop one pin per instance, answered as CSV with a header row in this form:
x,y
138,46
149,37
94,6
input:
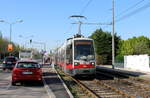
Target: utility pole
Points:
x,y
10,29
113,31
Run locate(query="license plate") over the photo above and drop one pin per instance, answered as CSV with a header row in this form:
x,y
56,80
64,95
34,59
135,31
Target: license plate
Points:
x,y
9,63
26,73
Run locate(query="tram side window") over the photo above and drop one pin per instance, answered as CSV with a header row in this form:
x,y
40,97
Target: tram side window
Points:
x,y
69,54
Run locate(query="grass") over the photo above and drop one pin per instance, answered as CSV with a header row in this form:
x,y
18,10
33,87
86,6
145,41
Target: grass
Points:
x,y
72,86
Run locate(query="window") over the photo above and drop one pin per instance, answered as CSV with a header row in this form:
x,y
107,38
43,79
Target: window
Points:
x,y
69,54
84,50
28,65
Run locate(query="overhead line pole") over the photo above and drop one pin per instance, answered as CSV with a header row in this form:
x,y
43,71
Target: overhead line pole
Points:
x,y
113,31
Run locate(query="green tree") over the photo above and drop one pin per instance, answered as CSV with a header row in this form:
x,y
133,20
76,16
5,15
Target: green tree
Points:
x,y
134,46
3,48
103,46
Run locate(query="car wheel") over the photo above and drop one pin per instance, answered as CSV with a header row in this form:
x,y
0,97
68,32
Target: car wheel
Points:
x,y
13,83
40,83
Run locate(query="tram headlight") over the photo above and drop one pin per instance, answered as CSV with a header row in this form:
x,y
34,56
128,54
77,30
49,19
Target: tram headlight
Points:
x,y
76,63
93,63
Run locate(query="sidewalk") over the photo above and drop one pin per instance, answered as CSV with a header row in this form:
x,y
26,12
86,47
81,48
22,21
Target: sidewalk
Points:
x,y
141,74
54,84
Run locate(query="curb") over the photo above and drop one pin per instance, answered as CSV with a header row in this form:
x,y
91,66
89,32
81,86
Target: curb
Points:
x,y
48,90
68,91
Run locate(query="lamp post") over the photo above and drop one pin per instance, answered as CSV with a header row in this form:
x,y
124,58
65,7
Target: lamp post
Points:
x,y
10,26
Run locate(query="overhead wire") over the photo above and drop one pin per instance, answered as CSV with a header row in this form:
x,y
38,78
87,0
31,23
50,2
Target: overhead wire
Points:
x,y
130,8
134,12
85,7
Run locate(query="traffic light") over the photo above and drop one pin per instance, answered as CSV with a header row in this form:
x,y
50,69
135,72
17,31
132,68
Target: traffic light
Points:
x,y
30,40
10,47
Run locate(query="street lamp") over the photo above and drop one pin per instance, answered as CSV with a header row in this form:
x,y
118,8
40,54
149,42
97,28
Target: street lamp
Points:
x,y
10,24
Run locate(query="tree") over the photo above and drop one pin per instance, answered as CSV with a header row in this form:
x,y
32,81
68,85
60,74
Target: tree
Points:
x,y
103,46
3,48
134,46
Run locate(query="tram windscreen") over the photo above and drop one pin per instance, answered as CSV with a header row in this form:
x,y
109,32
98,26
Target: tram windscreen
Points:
x,y
83,50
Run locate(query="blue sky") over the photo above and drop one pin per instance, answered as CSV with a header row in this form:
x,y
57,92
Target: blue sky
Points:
x,y
48,20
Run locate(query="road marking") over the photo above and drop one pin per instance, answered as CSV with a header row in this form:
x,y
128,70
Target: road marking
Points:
x,y
68,91
48,90
9,85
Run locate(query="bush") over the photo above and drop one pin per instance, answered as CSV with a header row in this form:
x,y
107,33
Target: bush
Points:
x,y
119,59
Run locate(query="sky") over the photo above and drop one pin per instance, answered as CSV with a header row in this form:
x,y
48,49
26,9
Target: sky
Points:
x,y
47,21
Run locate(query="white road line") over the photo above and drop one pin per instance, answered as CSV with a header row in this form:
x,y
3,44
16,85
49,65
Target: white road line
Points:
x,y
9,85
48,90
68,91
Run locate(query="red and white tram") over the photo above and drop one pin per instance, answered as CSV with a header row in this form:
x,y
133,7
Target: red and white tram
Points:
x,y
76,56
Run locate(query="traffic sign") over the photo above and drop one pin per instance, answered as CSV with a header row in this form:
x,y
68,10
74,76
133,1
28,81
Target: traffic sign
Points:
x,y
10,47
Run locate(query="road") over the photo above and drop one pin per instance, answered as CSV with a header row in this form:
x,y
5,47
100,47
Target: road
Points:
x,y
27,90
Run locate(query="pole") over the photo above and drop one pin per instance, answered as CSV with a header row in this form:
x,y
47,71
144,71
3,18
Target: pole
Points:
x,y
79,29
10,37
10,31
113,31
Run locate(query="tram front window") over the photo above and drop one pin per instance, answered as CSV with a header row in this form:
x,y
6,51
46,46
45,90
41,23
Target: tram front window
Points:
x,y
84,50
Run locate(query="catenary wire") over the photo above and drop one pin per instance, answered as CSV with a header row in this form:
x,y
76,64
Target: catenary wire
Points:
x,y
134,12
130,8
85,7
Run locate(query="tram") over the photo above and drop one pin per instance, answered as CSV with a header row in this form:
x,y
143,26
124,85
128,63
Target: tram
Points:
x,y
77,56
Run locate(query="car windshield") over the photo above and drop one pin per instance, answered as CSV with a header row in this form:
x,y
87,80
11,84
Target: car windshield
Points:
x,y
27,65
84,49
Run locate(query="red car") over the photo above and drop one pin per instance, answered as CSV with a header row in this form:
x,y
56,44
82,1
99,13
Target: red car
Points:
x,y
26,71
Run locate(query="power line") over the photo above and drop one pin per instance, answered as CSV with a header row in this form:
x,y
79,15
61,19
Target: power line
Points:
x,y
84,8
130,8
134,12
127,10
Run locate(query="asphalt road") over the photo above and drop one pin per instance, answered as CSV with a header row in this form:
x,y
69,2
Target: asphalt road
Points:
x,y
28,90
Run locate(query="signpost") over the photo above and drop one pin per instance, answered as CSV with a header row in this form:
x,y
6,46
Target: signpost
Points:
x,y
10,47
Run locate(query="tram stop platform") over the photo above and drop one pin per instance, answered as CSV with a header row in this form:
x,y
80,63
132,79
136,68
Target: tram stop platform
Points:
x,y
53,84
140,74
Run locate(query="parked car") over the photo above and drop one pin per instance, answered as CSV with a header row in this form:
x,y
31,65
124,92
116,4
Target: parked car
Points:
x,y
9,62
26,71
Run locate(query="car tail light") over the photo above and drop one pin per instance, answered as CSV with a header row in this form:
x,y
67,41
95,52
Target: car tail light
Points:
x,y
16,72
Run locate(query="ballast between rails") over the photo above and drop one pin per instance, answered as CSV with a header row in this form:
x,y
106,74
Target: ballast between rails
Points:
x,y
98,92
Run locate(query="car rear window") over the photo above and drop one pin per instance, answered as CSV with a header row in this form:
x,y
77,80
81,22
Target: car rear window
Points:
x,y
10,59
27,65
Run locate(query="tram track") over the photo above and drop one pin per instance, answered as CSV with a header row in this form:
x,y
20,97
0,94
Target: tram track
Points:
x,y
131,85
97,89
